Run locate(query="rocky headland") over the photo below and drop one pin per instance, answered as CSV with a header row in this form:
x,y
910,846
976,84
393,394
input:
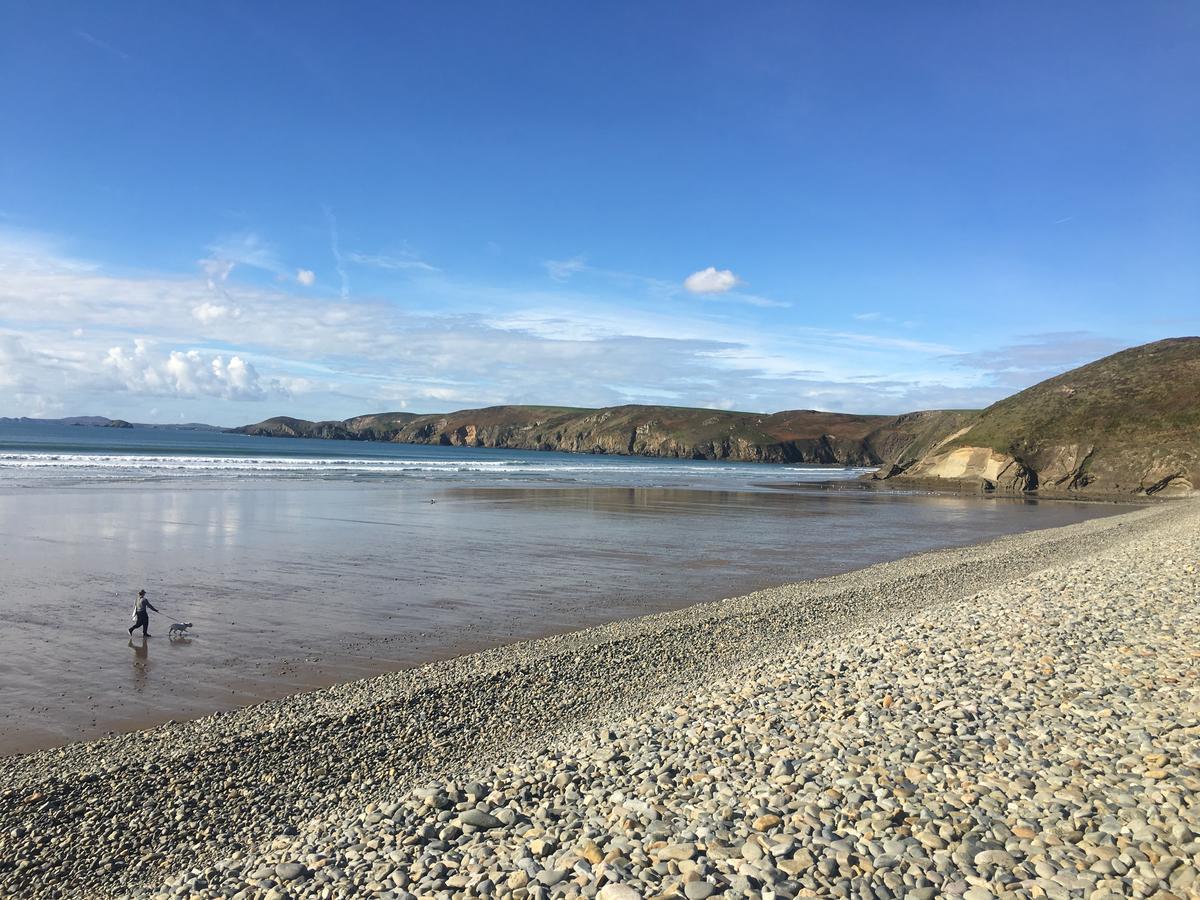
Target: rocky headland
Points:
x,y
1016,719
1128,424
796,436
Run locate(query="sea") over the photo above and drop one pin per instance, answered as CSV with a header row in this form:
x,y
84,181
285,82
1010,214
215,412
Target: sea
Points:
x,y
40,454
302,563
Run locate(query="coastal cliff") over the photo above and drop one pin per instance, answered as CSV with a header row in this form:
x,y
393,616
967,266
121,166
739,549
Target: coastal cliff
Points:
x,y
1125,424
797,436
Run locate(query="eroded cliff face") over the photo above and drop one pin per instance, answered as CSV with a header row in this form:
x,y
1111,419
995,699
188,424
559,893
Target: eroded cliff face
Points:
x,y
799,436
596,434
981,467
1073,468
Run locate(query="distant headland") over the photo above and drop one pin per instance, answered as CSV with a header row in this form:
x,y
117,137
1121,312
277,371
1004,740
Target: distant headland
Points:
x,y
1126,424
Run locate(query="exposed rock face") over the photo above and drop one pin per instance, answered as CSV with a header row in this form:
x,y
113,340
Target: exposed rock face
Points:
x,y
991,469
643,431
1125,424
902,441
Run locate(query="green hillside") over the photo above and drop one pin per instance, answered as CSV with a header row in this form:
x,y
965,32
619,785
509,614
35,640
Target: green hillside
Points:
x,y
1128,423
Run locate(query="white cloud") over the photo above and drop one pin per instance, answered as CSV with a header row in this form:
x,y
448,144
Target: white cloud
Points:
x,y
207,313
711,281
306,277
187,373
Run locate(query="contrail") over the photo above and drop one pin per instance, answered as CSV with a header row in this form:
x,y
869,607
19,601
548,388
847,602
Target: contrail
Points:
x,y
336,249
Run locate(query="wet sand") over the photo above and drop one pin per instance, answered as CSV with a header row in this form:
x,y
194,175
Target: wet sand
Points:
x,y
292,586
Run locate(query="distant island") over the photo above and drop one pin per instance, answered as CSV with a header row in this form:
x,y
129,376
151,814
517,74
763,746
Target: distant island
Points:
x,y
105,422
1125,424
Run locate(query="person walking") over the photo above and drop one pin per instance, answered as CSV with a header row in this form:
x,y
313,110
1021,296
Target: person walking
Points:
x,y
141,616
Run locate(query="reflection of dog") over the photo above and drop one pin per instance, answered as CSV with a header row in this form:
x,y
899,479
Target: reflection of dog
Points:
x,y
179,628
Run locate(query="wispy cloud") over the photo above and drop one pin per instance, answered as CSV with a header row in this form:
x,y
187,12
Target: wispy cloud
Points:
x,y
755,300
246,248
31,251
216,271
1037,356
306,277
881,319
90,38
399,261
893,343
563,269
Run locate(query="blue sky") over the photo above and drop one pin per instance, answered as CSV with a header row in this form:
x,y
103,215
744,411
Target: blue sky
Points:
x,y
223,211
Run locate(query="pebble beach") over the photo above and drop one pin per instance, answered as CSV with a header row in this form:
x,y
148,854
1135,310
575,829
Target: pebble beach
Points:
x,y
1019,718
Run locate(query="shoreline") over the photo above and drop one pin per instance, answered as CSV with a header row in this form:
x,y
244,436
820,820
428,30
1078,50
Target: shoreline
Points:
x,y
947,487
348,745
298,587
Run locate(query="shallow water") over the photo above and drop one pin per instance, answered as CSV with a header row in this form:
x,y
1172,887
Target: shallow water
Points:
x,y
297,581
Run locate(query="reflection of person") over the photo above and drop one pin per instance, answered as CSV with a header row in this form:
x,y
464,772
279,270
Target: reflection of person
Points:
x,y
141,616
141,662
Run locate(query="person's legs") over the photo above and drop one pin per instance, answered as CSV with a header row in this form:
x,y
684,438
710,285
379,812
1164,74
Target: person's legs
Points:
x,y
144,621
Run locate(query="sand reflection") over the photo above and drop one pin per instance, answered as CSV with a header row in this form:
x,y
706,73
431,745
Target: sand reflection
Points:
x,y
297,584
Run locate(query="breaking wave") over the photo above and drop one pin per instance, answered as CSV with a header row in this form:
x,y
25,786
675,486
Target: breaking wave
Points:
x,y
128,465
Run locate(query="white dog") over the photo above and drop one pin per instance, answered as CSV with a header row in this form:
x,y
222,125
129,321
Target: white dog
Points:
x,y
179,628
